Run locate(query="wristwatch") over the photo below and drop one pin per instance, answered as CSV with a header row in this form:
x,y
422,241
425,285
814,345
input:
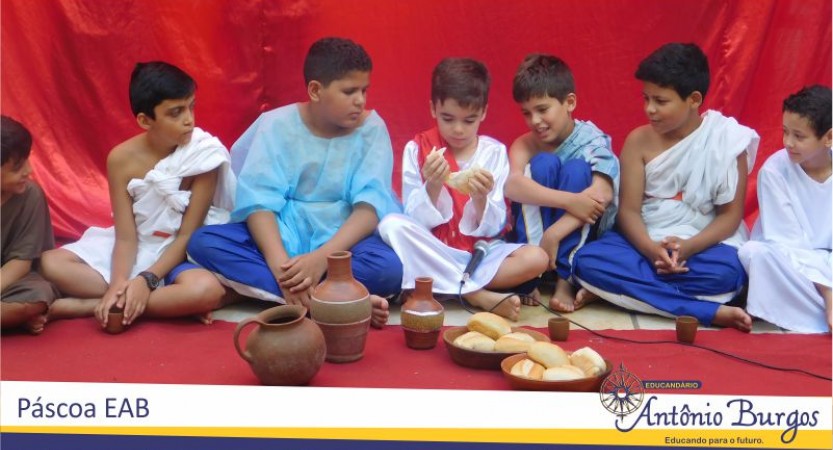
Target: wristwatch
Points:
x,y
151,279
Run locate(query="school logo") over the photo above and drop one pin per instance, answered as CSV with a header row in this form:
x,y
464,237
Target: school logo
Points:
x,y
621,392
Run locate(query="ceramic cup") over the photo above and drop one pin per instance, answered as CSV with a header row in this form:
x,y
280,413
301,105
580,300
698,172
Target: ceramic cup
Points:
x,y
686,329
114,321
559,328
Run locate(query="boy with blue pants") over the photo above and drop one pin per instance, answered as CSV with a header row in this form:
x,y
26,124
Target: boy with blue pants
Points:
x,y
563,173
681,202
314,178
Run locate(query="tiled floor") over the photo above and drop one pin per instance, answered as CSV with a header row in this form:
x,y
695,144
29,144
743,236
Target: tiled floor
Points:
x,y
596,316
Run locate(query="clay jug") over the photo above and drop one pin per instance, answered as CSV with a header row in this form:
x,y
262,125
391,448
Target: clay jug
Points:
x,y
422,316
341,307
285,349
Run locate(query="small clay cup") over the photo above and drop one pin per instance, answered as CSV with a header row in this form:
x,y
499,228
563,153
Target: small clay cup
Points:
x,y
686,329
559,328
114,320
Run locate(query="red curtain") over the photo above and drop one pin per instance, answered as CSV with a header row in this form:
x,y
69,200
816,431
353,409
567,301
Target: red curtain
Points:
x,y
66,64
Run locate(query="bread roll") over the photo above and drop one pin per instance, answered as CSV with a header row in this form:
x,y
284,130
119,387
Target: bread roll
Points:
x,y
563,373
507,344
589,361
490,324
548,354
520,336
528,368
476,341
460,180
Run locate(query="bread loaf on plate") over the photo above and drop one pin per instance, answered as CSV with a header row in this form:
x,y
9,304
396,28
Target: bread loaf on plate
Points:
x,y
474,340
528,368
548,354
563,373
490,324
589,361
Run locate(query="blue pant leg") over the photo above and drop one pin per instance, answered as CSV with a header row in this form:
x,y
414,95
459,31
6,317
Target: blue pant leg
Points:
x,y
376,266
575,176
612,264
545,169
230,251
714,271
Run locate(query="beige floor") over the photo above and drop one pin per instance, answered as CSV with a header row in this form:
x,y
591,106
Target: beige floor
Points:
x,y
596,316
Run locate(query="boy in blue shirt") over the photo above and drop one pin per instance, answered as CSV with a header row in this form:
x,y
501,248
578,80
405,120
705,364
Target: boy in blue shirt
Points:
x,y
314,178
563,173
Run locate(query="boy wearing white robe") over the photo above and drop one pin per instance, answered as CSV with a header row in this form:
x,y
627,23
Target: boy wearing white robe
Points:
x,y
436,236
164,183
680,202
788,257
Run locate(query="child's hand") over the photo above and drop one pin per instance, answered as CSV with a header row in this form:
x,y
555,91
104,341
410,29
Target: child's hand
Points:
x,y
661,258
679,252
114,295
302,272
136,296
435,170
550,243
302,298
585,208
481,183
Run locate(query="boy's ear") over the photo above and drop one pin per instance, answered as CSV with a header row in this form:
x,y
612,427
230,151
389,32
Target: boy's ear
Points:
x,y
485,110
695,99
314,90
433,108
828,138
570,102
144,121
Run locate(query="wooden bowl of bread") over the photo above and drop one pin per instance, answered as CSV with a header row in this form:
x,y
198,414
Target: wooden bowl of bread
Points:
x,y
487,340
547,367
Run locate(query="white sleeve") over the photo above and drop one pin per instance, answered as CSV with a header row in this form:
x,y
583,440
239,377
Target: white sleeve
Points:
x,y
777,215
417,203
495,160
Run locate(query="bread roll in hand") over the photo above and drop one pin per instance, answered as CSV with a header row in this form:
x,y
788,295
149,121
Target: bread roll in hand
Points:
x,y
460,180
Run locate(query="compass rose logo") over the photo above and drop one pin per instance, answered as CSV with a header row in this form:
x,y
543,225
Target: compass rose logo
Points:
x,y
621,392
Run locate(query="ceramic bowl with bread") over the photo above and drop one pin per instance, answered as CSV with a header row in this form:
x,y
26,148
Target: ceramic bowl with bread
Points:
x,y
486,340
547,367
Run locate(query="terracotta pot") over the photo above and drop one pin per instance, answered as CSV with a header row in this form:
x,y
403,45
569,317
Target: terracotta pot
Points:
x,y
341,306
285,349
345,341
422,316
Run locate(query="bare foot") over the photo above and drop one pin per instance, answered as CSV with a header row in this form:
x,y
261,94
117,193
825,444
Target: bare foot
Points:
x,y
380,311
734,317
36,324
584,297
71,308
207,318
563,300
494,302
532,299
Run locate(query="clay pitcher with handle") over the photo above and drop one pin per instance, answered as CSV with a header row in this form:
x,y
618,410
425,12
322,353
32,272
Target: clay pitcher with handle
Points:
x,y
285,348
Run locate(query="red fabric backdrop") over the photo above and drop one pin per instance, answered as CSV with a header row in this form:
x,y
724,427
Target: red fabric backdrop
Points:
x,y
66,64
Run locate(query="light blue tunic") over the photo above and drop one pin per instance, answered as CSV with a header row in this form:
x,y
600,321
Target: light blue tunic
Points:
x,y
589,143
311,183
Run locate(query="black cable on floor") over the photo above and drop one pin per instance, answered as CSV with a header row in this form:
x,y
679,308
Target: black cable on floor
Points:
x,y
466,306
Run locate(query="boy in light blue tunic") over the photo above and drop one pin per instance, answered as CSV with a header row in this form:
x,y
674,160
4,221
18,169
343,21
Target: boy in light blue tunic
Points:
x,y
314,178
